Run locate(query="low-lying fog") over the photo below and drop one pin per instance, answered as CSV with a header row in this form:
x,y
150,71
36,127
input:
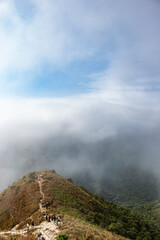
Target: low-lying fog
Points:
x,y
74,135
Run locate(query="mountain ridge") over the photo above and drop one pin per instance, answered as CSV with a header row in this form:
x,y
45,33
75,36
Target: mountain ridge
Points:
x,y
22,200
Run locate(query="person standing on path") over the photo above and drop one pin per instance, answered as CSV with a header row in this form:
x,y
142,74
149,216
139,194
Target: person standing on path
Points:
x,y
27,226
32,224
54,218
47,204
46,217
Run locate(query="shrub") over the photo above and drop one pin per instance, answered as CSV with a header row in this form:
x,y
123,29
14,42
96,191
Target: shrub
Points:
x,y
17,189
32,175
62,237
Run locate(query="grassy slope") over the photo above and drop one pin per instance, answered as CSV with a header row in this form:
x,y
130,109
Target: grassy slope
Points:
x,y
18,202
77,228
131,187
67,198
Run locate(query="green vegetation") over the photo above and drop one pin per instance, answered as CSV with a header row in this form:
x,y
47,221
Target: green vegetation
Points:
x,y
62,237
150,211
81,204
130,186
70,180
32,175
30,181
17,189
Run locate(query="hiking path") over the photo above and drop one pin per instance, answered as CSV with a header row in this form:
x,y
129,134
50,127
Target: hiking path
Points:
x,y
40,180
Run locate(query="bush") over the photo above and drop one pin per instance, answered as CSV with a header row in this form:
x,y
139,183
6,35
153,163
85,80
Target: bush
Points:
x,y
62,237
32,175
70,180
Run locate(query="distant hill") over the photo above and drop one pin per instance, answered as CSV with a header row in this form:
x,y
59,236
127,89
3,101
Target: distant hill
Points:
x,y
128,185
84,215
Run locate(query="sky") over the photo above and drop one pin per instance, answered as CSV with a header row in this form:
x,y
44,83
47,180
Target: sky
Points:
x,y
76,73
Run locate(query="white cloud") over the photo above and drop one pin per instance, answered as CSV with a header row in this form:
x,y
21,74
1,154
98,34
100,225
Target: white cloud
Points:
x,y
124,34
49,36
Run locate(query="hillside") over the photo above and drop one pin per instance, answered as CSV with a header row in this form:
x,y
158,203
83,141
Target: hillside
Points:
x,y
128,186
84,215
150,211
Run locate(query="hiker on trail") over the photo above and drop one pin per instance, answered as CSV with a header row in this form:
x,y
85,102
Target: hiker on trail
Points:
x,y
32,224
54,218
46,217
47,204
27,226
41,237
58,223
49,218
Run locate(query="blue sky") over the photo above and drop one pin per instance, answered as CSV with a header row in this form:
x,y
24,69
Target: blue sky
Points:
x,y
77,69
47,82
56,48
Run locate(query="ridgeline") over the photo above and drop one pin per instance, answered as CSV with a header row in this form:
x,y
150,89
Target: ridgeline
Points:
x,y
83,215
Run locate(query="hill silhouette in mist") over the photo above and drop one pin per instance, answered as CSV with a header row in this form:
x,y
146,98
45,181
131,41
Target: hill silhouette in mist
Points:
x,y
128,185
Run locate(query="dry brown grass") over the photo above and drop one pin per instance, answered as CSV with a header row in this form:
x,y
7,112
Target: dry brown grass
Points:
x,y
29,236
80,230
18,202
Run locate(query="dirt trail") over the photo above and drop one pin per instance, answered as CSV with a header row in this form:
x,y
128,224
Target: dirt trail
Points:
x,y
48,229
21,232
40,189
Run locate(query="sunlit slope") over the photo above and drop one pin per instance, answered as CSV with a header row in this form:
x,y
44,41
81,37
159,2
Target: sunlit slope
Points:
x,y
19,201
76,205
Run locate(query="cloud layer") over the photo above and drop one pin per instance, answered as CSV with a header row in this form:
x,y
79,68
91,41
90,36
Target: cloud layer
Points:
x,y
74,134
